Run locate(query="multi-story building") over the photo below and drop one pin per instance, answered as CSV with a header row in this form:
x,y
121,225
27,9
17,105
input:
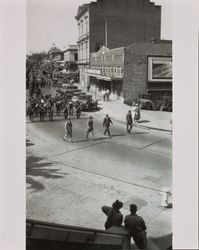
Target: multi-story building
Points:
x,y
71,57
106,71
114,23
141,68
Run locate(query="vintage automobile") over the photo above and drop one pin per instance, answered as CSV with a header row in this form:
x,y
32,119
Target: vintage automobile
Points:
x,y
163,103
87,102
146,102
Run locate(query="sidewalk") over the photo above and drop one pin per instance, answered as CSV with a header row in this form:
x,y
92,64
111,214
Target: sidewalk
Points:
x,y
157,120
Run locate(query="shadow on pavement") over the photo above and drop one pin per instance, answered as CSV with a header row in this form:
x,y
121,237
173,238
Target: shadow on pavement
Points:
x,y
36,167
143,121
92,139
29,143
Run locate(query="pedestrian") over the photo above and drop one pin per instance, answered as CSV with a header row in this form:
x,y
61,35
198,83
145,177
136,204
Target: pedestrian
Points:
x,y
68,129
90,127
70,108
107,94
65,110
104,95
129,120
137,228
114,216
137,112
88,87
78,110
106,123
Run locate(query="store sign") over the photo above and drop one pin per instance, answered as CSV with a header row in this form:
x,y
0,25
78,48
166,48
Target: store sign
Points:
x,y
94,71
159,69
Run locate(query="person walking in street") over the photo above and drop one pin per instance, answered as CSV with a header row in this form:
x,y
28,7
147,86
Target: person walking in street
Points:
x,y
129,120
114,216
68,129
90,127
106,123
78,110
136,225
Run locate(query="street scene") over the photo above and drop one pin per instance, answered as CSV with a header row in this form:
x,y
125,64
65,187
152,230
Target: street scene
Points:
x,y
99,131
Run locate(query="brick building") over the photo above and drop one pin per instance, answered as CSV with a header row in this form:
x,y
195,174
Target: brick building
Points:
x,y
114,24
141,68
147,70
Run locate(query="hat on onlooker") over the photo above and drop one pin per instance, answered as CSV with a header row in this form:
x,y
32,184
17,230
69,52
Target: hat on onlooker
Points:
x,y
117,204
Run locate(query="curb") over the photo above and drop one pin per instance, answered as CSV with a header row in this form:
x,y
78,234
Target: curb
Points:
x,y
138,125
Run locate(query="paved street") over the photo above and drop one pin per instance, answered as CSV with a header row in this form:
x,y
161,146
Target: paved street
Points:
x,y
68,183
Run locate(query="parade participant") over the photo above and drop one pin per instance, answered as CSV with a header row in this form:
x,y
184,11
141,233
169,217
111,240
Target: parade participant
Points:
x,y
31,113
50,110
41,112
106,123
129,120
90,127
70,108
114,216
68,130
136,225
78,109
58,107
65,110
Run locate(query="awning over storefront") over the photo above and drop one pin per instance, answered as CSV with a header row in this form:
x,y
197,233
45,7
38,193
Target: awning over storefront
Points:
x,y
100,77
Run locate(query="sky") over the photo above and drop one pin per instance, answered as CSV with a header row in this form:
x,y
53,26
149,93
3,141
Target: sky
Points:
x,y
53,21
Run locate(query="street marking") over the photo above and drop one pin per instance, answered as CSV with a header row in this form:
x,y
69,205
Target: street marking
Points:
x,y
77,149
102,175
154,143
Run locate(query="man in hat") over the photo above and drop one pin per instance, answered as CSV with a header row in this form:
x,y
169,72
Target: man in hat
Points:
x,y
106,123
90,127
129,120
136,225
68,129
114,216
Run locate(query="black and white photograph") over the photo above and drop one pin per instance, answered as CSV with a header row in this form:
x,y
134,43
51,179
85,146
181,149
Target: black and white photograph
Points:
x,y
99,124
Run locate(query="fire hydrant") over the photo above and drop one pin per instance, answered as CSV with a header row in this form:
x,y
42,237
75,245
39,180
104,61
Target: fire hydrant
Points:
x,y
166,194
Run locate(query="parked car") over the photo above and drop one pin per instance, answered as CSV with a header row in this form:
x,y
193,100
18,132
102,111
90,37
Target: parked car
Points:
x,y
87,101
145,102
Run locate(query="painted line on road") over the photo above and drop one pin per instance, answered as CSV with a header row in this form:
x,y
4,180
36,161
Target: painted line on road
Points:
x,y
154,143
77,149
102,175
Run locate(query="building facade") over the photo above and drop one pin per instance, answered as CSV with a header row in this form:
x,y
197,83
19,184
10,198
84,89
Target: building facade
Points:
x,y
71,57
138,69
147,70
114,24
106,71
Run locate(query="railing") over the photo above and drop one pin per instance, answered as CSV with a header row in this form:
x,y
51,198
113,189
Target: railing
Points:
x,y
43,235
